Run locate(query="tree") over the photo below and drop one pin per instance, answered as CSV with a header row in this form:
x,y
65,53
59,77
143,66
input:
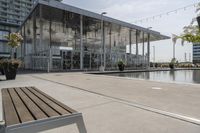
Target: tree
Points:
x,y
191,33
14,40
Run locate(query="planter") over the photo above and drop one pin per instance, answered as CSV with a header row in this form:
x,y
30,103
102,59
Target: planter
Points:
x,y
121,67
11,74
10,68
171,66
2,71
198,20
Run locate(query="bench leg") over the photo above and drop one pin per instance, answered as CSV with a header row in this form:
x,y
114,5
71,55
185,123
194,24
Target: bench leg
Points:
x,y
2,127
81,126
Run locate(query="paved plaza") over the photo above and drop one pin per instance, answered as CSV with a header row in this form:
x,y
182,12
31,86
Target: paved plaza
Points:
x,y
120,105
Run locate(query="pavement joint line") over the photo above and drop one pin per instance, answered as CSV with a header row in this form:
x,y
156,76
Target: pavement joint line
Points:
x,y
96,105
136,105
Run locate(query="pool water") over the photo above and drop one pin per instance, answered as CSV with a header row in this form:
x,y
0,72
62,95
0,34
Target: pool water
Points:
x,y
186,76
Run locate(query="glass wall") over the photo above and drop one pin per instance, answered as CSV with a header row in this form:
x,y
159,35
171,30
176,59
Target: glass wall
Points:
x,y
54,38
91,43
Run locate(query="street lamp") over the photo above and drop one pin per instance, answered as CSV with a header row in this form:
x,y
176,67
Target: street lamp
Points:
x,y
148,47
102,67
154,58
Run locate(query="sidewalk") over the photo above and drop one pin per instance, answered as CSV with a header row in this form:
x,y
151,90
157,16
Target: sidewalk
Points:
x,y
93,96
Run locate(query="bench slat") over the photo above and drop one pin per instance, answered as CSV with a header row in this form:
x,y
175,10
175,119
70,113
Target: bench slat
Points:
x,y
23,112
56,101
34,109
56,107
48,111
10,114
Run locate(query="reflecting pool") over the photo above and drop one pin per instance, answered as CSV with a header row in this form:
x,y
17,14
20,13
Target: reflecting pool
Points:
x,y
186,76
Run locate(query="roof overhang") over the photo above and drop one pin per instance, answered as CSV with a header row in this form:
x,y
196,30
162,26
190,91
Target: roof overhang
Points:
x,y
87,13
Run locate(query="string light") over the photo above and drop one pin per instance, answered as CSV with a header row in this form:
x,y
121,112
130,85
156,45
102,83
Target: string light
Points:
x,y
166,13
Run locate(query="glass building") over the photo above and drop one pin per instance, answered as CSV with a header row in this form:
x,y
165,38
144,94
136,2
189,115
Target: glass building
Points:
x,y
59,37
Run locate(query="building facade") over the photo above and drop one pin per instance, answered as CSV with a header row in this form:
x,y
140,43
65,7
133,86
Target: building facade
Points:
x,y
59,37
196,53
12,14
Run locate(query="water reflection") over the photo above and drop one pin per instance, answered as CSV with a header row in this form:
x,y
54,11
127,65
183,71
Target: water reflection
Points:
x,y
189,76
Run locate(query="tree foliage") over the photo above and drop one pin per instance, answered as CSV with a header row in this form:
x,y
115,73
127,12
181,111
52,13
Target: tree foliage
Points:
x,y
14,39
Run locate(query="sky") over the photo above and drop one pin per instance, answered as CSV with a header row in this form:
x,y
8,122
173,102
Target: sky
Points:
x,y
132,10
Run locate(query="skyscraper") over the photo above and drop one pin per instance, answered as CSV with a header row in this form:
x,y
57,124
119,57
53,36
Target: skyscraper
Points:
x,y
12,14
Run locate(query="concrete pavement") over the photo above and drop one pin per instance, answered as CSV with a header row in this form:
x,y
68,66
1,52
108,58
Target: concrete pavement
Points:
x,y
106,102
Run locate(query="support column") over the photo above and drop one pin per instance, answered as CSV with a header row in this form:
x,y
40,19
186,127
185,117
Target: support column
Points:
x,y
148,50
41,28
130,42
34,32
50,62
143,56
24,47
136,38
81,42
104,49
143,44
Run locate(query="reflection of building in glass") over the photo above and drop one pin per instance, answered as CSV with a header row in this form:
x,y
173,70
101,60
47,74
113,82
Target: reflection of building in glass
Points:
x,y
12,14
62,37
196,53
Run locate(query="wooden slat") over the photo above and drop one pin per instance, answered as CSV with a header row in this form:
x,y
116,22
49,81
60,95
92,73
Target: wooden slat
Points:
x,y
33,108
53,105
10,113
56,101
23,112
48,111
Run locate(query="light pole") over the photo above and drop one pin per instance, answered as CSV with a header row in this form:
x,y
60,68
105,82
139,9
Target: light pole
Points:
x,y
148,47
154,57
102,67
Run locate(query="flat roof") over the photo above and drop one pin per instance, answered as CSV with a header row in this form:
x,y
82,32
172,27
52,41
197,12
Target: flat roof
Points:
x,y
87,13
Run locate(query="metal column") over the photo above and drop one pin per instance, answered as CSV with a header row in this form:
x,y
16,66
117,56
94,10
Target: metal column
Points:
x,y
34,32
148,50
50,62
143,44
81,41
136,38
104,49
130,41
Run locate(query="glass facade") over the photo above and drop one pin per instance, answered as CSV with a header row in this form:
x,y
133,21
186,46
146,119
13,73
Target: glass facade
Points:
x,y
196,53
56,39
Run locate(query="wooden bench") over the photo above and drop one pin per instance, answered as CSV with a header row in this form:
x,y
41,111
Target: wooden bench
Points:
x,y
29,110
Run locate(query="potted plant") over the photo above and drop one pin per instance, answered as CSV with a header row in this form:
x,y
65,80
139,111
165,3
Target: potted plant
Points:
x,y
10,66
121,65
172,63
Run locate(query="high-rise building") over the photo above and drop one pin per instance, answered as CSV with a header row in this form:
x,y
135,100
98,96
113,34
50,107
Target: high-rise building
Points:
x,y
196,53
12,14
